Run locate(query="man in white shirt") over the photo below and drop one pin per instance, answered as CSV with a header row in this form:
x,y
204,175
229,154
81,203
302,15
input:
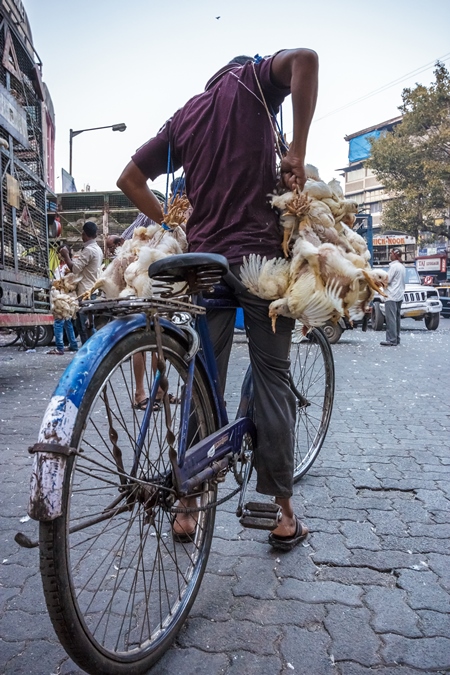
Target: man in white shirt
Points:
x,y
87,265
393,303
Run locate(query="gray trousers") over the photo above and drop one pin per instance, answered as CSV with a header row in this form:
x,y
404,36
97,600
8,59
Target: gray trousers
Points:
x,y
274,400
392,316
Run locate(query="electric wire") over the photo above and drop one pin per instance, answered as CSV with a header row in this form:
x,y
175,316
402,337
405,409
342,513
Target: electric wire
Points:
x,y
442,59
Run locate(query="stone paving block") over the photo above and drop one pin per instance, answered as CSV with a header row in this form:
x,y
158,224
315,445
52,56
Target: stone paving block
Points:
x,y
297,563
439,516
439,564
254,664
279,613
356,575
386,522
385,560
364,645
320,524
386,470
360,535
329,549
337,514
433,499
14,576
42,654
30,598
230,636
411,510
68,667
434,624
307,651
430,531
214,598
241,547
361,503
313,495
391,613
425,653
350,668
256,578
420,545
8,651
221,565
424,591
191,662
15,625
320,592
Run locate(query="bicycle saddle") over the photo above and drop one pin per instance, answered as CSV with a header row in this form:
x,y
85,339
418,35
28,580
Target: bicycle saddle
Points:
x,y
199,270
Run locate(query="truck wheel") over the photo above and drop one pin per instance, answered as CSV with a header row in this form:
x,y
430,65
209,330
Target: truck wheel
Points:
x,y
333,331
37,336
377,317
432,321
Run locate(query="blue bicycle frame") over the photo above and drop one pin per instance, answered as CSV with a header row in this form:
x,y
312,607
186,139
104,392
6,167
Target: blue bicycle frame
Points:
x,y
211,455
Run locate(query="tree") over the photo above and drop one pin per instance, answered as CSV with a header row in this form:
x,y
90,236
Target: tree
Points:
x,y
413,161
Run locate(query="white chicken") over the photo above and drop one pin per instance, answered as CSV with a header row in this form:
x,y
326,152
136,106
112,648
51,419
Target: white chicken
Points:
x,y
136,274
327,262
127,274
63,305
268,279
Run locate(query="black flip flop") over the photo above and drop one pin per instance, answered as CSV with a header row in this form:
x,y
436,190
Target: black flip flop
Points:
x,y
288,543
142,405
183,537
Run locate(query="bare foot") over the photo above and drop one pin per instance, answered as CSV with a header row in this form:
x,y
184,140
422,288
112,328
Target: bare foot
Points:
x,y
185,523
288,524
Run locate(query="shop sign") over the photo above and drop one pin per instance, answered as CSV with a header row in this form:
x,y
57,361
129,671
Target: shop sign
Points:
x,y
393,240
431,264
13,117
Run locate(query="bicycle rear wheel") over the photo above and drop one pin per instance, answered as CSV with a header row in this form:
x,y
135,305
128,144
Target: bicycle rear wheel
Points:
x,y
312,380
118,586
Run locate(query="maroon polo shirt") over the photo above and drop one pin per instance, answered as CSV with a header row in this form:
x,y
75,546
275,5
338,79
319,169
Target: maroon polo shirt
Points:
x,y
225,142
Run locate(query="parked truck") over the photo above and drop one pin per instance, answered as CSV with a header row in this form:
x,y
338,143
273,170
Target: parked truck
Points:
x,y
27,199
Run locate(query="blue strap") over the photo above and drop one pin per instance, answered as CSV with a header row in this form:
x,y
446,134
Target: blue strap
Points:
x,y
169,165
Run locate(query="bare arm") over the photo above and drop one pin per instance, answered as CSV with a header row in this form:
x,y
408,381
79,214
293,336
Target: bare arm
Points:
x,y
67,259
297,69
133,184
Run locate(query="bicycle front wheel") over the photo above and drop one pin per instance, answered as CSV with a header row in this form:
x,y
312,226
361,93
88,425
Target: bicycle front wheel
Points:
x,y
312,381
117,582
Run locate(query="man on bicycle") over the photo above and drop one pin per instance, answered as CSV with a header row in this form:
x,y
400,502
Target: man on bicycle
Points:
x,y
224,138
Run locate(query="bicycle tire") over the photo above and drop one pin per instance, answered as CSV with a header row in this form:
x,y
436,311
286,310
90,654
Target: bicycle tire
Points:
x,y
119,590
312,377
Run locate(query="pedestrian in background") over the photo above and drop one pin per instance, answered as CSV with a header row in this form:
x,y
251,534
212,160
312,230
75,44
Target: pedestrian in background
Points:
x,y
61,326
393,303
87,265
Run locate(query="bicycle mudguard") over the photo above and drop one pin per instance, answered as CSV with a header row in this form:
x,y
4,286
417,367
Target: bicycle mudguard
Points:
x,y
57,426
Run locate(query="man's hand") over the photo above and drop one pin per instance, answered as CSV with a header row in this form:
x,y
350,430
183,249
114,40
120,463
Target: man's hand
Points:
x,y
293,172
64,253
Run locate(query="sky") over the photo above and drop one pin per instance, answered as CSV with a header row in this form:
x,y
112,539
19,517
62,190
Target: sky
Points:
x,y
106,62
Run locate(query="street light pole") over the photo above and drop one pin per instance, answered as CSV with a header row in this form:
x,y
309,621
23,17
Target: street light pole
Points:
x,y
72,134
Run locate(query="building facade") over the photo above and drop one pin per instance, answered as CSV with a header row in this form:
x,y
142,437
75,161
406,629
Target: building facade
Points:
x,y
361,185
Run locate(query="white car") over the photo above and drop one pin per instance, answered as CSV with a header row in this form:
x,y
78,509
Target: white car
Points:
x,y
420,302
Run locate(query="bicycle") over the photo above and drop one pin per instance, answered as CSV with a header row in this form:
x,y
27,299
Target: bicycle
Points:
x,y
107,484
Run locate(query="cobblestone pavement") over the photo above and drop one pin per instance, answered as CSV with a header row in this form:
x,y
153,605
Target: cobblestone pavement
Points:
x,y
370,589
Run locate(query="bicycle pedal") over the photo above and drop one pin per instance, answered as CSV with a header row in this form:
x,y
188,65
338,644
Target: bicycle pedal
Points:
x,y
260,515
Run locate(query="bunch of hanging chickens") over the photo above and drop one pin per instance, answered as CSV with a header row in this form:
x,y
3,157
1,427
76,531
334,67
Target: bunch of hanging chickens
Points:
x,y
63,299
127,274
326,272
